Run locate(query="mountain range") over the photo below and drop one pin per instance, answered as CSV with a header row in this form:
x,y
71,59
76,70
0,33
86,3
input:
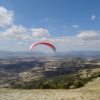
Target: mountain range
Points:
x,y
61,55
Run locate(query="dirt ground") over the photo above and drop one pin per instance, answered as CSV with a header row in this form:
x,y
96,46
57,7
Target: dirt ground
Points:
x,y
90,91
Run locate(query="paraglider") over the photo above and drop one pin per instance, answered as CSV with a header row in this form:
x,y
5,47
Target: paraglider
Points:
x,y
44,43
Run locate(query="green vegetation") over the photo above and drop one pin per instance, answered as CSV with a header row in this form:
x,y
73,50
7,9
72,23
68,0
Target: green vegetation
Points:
x,y
65,74
69,81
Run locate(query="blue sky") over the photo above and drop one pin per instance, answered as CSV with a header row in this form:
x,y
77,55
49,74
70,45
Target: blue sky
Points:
x,y
70,25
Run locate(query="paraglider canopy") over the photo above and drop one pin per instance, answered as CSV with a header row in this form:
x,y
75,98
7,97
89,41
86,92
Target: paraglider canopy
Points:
x,y
44,43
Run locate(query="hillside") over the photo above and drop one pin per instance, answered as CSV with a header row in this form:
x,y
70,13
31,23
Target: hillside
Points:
x,y
90,91
21,70
26,74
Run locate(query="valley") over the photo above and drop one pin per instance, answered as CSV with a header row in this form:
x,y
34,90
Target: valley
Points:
x,y
66,77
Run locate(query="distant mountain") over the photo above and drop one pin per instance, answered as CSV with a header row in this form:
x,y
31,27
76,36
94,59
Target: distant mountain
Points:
x,y
20,54
57,55
83,54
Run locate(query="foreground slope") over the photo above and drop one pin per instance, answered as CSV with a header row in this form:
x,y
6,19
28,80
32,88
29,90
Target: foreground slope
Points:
x,y
90,91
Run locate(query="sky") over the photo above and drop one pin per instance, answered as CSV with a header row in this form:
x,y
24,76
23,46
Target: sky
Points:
x,y
70,25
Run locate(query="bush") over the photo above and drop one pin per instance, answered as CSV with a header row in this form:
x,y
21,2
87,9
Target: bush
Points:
x,y
18,86
64,86
39,85
45,86
54,86
77,84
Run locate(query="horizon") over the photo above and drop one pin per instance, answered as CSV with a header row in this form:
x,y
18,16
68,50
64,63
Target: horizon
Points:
x,y
55,52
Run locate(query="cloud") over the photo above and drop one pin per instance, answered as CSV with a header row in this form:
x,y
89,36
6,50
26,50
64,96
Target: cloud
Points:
x,y
75,26
67,40
93,17
21,43
84,38
47,19
53,20
16,33
40,32
89,35
22,33
6,17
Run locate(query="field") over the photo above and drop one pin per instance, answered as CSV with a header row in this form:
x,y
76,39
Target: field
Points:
x,y
90,91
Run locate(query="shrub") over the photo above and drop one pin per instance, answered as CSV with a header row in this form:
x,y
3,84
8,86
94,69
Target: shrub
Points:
x,y
18,86
65,85
77,84
45,86
39,85
54,86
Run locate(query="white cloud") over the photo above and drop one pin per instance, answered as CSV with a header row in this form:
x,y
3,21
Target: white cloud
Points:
x,y
40,32
47,19
16,33
75,26
85,38
53,20
6,17
21,33
89,35
93,17
20,43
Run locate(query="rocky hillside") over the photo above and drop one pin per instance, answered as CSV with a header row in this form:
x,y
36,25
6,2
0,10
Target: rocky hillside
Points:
x,y
25,69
